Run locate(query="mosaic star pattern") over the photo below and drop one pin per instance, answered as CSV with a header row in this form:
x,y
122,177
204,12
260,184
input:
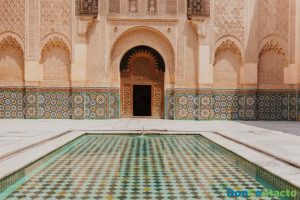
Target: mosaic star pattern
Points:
x,y
134,167
183,104
54,105
96,105
169,105
11,104
236,105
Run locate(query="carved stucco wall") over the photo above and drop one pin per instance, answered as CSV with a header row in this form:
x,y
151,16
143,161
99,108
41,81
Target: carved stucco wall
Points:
x,y
272,61
273,18
12,35
96,68
246,21
190,63
271,68
228,19
56,42
56,16
12,17
227,65
142,36
56,64
274,42
250,22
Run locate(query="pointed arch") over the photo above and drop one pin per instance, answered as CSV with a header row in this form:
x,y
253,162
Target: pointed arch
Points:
x,y
272,61
227,65
136,37
11,60
56,62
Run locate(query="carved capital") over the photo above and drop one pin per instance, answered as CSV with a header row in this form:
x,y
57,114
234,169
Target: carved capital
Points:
x,y
200,27
83,25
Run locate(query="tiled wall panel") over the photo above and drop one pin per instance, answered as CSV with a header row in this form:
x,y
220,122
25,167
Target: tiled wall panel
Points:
x,y
180,104
11,103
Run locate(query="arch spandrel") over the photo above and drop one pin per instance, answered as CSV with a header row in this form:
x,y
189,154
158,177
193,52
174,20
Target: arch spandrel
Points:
x,y
142,36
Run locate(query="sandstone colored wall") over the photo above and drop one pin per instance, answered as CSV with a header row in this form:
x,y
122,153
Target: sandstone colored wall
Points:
x,y
246,48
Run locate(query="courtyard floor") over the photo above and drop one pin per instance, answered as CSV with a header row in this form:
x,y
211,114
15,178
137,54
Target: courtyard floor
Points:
x,y
272,145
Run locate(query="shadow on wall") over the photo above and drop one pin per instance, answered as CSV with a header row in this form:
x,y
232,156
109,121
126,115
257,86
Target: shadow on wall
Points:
x,y
56,65
11,66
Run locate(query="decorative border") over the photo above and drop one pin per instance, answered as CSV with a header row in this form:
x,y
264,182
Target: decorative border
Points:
x,y
59,103
180,104
11,103
211,104
169,104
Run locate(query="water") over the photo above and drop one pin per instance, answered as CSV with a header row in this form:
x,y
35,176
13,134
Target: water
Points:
x,y
134,167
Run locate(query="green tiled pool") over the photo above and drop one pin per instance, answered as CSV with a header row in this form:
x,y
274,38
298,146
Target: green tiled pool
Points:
x,y
139,167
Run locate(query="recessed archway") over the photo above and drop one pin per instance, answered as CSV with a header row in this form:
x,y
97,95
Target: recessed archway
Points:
x,y
56,63
11,61
142,71
146,36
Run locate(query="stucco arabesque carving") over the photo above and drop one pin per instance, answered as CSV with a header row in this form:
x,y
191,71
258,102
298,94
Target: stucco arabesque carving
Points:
x,y
274,45
229,44
9,41
55,42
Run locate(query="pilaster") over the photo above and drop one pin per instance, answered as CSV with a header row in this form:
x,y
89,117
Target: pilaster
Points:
x,y
205,70
79,66
297,48
33,71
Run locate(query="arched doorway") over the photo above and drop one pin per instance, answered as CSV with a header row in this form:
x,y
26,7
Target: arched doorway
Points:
x,y
142,83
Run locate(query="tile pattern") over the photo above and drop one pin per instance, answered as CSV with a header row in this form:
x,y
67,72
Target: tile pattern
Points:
x,y
169,104
31,103
59,103
114,104
293,108
186,104
226,105
236,105
181,104
249,105
54,103
254,171
273,105
133,167
11,103
96,105
78,102
298,98
206,101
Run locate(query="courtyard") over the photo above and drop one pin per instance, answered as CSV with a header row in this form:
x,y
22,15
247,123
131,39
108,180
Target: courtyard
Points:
x,y
274,146
150,99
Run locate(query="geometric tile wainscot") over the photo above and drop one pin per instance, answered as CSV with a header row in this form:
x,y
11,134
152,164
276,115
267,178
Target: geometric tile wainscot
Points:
x,y
59,103
180,104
